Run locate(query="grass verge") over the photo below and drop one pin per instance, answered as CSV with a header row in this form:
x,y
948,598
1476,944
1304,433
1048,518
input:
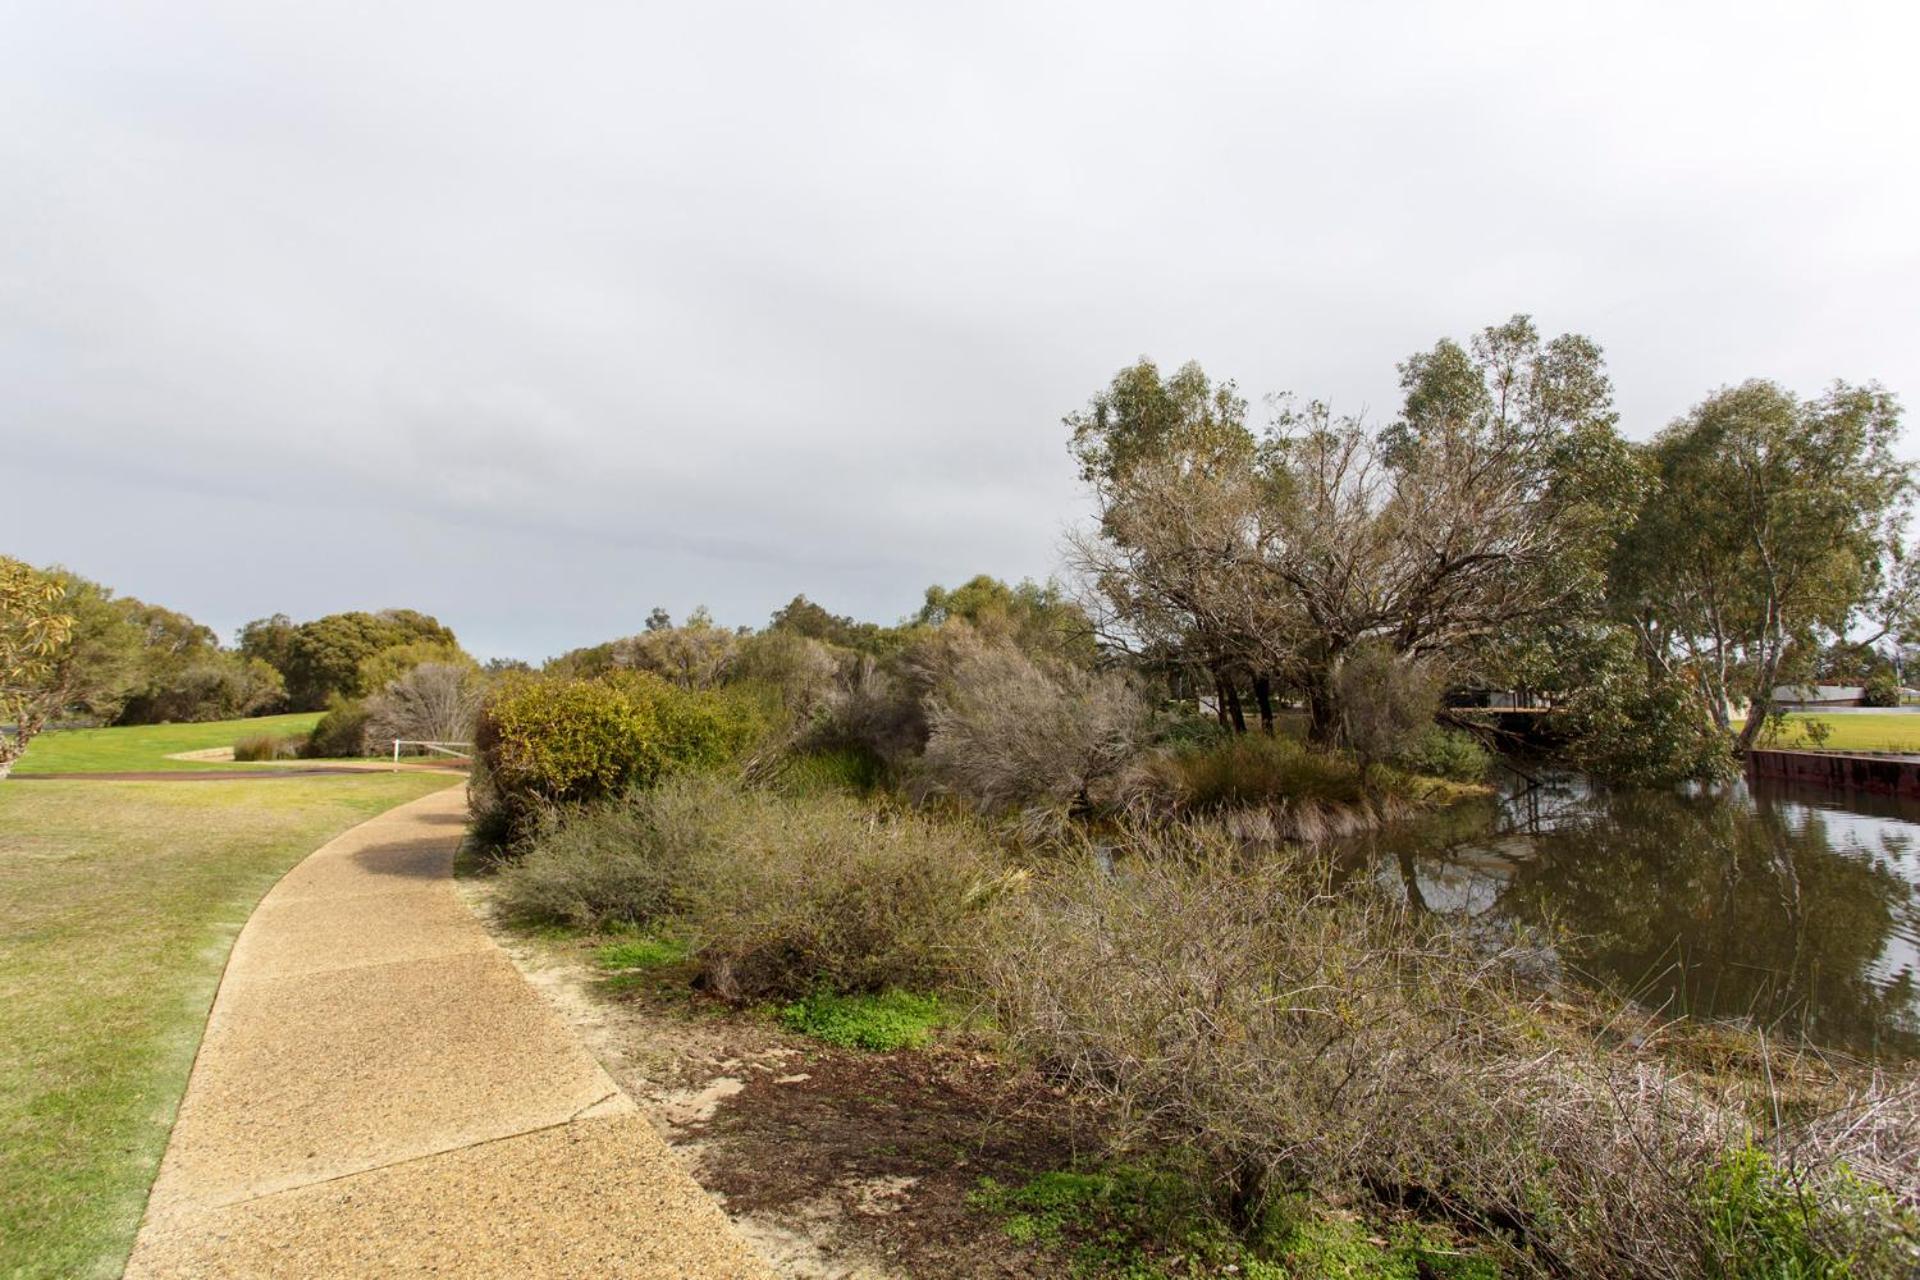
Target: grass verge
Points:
x,y
118,904
1851,731
145,748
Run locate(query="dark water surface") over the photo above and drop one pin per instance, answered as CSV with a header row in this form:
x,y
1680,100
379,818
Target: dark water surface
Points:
x,y
1796,908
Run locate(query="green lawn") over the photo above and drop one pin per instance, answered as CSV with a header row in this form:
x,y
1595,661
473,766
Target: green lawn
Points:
x,y
118,904
1854,731
140,748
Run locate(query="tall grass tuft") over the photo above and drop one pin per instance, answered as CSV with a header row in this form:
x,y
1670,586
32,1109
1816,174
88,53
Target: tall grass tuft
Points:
x,y
267,746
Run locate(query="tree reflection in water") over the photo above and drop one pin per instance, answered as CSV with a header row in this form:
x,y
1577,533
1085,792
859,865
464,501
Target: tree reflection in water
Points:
x,y
1799,911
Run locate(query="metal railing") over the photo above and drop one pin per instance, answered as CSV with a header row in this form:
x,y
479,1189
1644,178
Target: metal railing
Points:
x,y
432,748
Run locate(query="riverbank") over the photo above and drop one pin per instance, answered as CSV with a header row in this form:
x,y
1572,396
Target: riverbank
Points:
x,y
948,1159
1238,1034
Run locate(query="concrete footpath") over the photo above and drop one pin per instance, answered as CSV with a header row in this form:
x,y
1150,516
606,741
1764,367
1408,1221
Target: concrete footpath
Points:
x,y
380,1093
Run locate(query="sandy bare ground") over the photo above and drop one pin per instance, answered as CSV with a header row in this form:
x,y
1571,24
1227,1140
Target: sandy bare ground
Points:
x,y
836,1164
379,1092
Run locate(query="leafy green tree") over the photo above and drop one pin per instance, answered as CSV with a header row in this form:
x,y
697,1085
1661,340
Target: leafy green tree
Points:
x,y
33,632
1038,618
803,617
106,662
1773,523
583,663
130,662
1488,506
323,656
1172,466
270,640
1621,719
380,669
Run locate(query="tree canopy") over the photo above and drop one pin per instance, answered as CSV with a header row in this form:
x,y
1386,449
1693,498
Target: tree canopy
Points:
x,y
1772,523
323,659
34,630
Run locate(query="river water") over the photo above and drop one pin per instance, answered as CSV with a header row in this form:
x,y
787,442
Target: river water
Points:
x,y
1798,910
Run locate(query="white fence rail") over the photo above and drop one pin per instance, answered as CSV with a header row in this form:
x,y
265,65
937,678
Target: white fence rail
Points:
x,y
457,750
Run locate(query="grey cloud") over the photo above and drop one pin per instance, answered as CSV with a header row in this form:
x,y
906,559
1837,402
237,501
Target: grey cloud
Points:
x,y
537,316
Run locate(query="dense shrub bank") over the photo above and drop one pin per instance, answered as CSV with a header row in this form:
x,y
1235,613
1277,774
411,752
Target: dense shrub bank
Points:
x,y
1288,1033
1302,1037
963,820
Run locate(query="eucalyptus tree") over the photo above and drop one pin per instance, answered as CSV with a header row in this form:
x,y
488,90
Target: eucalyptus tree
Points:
x,y
1774,525
1486,509
1172,467
1488,505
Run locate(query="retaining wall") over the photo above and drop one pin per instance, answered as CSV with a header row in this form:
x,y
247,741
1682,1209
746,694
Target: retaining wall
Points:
x,y
1887,775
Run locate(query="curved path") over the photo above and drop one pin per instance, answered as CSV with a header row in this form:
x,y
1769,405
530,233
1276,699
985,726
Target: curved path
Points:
x,y
380,1093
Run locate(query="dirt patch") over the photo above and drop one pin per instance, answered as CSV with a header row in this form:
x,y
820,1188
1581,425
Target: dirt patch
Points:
x,y
835,1164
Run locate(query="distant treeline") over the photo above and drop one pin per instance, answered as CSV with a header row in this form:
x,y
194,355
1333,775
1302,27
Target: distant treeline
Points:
x,y
131,662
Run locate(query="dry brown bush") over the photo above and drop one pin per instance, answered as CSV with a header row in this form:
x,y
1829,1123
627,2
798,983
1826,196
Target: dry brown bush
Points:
x,y
434,702
1296,1037
698,655
803,671
882,707
776,896
1006,733
795,895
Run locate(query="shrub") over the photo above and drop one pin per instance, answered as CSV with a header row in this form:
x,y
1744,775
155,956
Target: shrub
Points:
x,y
777,898
1180,726
634,861
1881,690
1004,733
1386,701
341,732
696,656
800,670
266,746
542,742
884,706
884,1022
1298,1038
872,709
217,686
1440,752
378,670
1252,769
794,896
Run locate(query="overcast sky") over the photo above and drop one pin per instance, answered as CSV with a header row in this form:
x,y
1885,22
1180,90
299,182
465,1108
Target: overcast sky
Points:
x,y
534,316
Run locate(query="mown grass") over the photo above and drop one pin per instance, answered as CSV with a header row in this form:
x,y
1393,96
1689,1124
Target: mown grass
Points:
x,y
145,748
118,904
1851,731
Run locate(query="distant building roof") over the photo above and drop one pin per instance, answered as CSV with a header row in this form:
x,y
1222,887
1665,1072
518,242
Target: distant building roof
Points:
x,y
1819,693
